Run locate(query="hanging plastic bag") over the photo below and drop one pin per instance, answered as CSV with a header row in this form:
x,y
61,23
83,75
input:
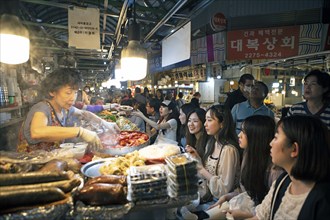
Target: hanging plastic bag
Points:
x,y
242,202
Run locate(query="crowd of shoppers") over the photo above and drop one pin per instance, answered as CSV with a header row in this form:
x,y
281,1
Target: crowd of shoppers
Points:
x,y
230,164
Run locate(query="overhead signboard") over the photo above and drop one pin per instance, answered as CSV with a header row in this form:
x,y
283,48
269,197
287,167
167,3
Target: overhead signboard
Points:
x,y
265,43
84,28
176,48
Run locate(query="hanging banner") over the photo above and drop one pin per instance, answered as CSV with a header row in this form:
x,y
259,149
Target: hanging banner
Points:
x,y
327,40
266,43
84,28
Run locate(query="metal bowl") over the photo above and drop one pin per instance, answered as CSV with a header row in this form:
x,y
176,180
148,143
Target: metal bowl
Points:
x,y
114,150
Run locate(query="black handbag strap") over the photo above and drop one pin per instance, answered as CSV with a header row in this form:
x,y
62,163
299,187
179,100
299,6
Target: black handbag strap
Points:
x,y
281,185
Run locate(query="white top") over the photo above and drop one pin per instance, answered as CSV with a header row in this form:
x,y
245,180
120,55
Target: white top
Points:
x,y
227,177
289,208
170,133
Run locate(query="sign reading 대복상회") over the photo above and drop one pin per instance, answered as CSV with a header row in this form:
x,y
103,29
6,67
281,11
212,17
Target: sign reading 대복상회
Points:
x,y
265,43
84,28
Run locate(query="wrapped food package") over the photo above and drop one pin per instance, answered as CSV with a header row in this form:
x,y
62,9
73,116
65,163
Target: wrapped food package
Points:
x,y
182,175
147,182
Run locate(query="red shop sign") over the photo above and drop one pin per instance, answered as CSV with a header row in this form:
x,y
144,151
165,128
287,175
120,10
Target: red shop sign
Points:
x,y
265,43
218,22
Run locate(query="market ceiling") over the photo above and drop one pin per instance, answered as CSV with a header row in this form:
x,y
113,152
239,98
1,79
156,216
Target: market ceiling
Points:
x,y
48,25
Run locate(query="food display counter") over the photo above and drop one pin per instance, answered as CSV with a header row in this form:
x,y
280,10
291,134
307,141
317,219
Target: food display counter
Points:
x,y
48,188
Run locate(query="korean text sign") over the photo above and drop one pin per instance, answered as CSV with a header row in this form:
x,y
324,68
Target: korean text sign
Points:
x,y
84,28
265,43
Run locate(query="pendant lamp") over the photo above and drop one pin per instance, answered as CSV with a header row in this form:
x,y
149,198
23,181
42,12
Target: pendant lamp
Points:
x,y
134,56
14,40
119,73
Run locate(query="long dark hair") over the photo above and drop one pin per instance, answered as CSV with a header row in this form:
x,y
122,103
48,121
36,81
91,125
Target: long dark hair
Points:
x,y
186,108
259,130
312,137
199,144
175,115
227,134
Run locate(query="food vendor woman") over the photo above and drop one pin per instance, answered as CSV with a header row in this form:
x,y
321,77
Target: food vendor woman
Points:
x,y
47,124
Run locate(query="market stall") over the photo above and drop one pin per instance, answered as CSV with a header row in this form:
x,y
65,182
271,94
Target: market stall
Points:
x,y
125,179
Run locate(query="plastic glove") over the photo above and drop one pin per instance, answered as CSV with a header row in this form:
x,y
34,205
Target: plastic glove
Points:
x,y
110,126
111,106
90,137
106,107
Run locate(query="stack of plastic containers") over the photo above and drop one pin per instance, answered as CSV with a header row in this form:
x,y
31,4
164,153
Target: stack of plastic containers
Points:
x,y
182,177
147,183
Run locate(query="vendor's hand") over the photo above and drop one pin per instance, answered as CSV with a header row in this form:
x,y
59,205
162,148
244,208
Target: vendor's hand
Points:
x,y
90,137
111,126
218,204
137,113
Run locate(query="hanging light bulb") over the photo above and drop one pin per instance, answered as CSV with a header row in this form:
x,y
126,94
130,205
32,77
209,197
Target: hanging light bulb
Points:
x,y
119,73
134,56
14,40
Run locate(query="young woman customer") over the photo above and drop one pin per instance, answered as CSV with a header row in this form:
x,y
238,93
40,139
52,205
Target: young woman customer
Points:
x,y
185,109
257,172
168,125
196,134
220,165
301,146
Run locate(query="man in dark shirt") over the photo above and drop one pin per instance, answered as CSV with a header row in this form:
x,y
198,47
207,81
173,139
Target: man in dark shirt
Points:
x,y
139,97
152,108
245,83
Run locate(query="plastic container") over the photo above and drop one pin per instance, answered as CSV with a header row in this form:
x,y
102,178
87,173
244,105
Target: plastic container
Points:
x,y
182,165
67,145
149,173
77,153
147,182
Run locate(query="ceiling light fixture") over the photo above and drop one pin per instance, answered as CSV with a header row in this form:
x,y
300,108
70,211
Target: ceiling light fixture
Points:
x,y
134,56
14,37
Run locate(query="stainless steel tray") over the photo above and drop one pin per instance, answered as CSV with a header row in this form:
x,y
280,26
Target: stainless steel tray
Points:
x,y
91,169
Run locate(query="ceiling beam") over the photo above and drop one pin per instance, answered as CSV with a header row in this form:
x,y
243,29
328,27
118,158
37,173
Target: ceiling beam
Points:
x,y
175,8
121,21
